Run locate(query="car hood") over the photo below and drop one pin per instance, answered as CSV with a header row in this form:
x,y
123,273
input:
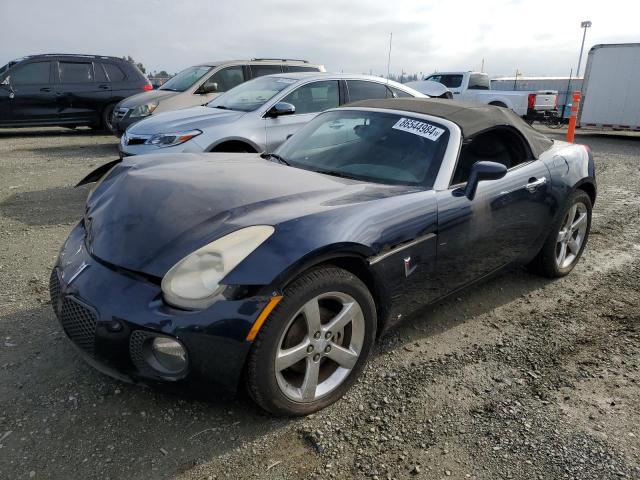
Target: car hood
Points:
x,y
146,97
183,119
153,210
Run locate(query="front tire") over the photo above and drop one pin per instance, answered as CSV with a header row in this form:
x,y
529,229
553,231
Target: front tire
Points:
x,y
313,345
567,239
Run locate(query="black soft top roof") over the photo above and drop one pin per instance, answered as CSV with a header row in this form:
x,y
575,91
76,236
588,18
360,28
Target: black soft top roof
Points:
x,y
472,118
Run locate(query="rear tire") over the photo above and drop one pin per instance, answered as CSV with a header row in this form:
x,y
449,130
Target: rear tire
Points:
x,y
567,238
300,362
105,119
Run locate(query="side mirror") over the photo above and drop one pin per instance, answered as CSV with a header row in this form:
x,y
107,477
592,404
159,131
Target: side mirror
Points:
x,y
208,88
6,81
280,108
483,171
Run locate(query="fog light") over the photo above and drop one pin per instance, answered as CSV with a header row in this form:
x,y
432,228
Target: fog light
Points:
x,y
170,354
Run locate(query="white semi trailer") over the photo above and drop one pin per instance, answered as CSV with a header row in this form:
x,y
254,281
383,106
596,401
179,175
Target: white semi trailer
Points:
x,y
611,87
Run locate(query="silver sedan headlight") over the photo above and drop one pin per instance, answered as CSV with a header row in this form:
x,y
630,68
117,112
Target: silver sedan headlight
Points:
x,y
194,281
143,110
172,139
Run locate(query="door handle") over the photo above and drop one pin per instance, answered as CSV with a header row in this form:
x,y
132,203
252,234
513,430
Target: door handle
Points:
x,y
534,184
104,87
45,89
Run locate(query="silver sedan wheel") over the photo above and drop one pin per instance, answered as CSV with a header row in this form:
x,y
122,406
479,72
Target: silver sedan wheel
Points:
x,y
319,346
571,235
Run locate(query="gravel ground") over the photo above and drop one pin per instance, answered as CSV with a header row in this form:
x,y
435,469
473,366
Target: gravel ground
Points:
x,y
519,377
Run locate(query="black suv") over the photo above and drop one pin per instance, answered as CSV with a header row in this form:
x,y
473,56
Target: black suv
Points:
x,y
66,90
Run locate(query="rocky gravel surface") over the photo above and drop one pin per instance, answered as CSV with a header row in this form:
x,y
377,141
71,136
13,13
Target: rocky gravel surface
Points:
x,y
518,377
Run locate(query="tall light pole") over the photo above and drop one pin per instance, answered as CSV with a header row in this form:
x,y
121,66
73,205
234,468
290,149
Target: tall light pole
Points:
x,y
586,24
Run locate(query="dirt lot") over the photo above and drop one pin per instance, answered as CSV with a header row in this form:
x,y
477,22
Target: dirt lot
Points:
x,y
518,378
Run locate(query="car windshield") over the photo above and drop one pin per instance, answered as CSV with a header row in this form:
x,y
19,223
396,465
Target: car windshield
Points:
x,y
370,146
186,78
251,95
6,67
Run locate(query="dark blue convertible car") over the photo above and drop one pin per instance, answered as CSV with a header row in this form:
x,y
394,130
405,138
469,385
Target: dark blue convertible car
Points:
x,y
278,271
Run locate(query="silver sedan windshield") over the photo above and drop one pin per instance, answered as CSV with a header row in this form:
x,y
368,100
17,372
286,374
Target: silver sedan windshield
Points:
x,y
251,95
371,146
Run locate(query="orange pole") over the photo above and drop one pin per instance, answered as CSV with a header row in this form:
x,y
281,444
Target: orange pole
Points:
x,y
573,117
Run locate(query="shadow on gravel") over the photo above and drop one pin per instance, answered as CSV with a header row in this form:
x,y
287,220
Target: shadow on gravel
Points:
x,y
90,149
465,305
53,132
92,426
53,206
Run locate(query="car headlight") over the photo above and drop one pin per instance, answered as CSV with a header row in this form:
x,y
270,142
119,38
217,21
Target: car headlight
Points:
x,y
172,139
194,281
143,110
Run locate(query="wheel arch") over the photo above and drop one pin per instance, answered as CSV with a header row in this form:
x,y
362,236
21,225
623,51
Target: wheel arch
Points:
x,y
234,142
499,103
589,187
352,258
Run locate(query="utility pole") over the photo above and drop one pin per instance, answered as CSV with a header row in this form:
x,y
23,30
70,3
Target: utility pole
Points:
x,y
586,24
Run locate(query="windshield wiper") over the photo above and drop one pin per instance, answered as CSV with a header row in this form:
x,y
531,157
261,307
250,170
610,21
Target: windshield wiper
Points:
x,y
221,107
337,173
275,156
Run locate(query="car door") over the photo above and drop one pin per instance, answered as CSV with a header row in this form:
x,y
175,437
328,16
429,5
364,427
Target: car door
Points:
x,y
82,97
499,225
219,82
30,94
309,100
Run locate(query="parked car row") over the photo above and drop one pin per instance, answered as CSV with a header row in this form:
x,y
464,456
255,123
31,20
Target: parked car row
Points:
x,y
200,84
256,116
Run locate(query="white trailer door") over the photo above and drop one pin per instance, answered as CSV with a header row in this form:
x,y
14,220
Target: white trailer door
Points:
x,y
611,87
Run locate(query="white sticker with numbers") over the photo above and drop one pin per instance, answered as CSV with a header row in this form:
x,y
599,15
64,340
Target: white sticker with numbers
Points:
x,y
419,128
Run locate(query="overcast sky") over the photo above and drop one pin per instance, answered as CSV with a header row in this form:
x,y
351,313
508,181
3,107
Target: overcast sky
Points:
x,y
537,37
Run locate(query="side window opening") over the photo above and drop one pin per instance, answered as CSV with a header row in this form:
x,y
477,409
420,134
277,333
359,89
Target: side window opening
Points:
x,y
497,145
314,97
227,78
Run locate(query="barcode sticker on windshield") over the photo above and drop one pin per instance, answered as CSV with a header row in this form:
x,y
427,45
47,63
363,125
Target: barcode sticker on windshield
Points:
x,y
419,128
286,80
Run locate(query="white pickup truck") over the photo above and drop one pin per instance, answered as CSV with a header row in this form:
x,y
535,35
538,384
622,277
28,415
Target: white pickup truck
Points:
x,y
476,87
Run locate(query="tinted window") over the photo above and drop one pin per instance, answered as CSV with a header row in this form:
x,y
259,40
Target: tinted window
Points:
x,y
114,72
99,72
72,72
299,68
260,70
314,97
227,78
400,93
251,95
479,82
31,74
370,146
449,81
186,78
361,90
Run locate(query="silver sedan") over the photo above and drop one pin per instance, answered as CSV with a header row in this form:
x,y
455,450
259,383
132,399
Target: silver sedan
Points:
x,y
255,116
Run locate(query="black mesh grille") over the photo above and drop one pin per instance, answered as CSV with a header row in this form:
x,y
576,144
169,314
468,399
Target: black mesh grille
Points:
x,y
79,322
136,350
54,289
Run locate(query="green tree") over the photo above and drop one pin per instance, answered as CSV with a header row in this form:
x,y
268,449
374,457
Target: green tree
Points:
x,y
129,58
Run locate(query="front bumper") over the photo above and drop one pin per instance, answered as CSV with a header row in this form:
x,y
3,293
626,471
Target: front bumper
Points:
x,y
90,297
120,120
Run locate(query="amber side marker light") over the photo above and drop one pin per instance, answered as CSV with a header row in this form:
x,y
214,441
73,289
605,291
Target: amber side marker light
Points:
x,y
263,316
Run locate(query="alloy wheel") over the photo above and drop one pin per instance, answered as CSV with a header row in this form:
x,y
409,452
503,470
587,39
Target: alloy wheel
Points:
x,y
319,346
571,236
